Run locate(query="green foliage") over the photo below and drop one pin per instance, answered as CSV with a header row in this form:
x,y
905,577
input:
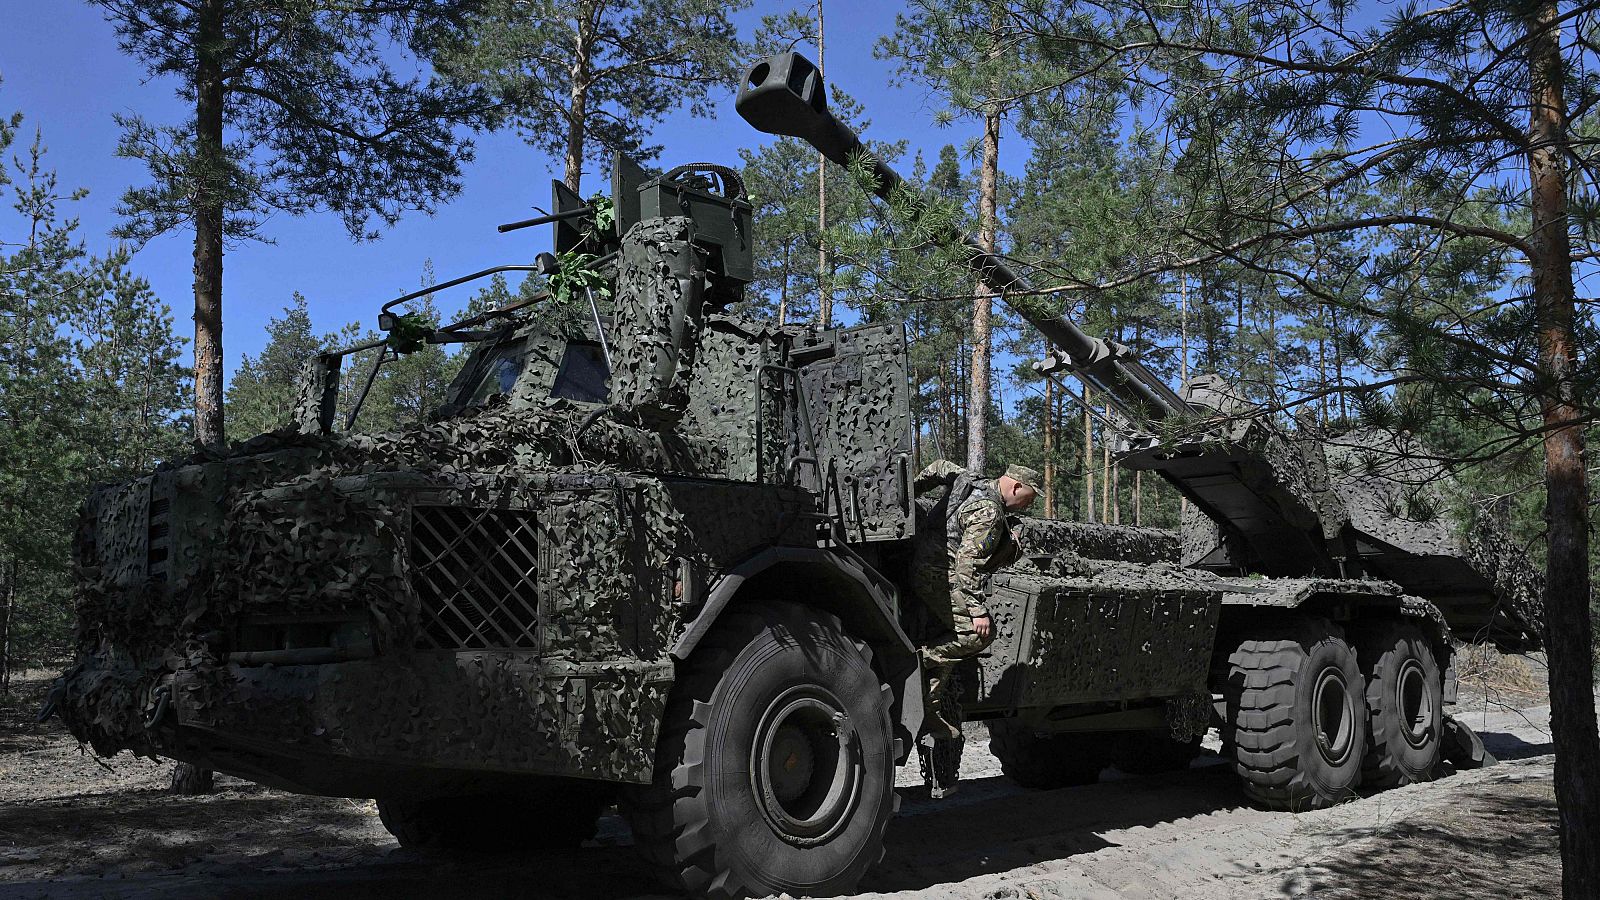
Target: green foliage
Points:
x,y
575,277
90,390
261,392
607,69
605,216
410,333
323,119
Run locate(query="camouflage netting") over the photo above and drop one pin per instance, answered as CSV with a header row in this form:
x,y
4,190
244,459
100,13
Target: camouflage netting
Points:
x,y
1124,543
1401,495
659,314
1395,491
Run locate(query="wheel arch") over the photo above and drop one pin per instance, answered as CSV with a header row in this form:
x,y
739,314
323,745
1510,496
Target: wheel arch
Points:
x,y
862,599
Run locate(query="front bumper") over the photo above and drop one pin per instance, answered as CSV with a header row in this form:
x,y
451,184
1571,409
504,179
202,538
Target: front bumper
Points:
x,y
416,722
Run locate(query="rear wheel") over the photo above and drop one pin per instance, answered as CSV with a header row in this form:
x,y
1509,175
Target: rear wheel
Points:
x,y
557,818
775,769
1297,717
1405,698
1046,761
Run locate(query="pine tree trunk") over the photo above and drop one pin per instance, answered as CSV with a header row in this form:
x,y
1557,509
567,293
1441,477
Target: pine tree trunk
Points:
x,y
578,94
983,302
8,597
1049,448
1105,474
1568,634
824,268
1088,457
1138,497
208,220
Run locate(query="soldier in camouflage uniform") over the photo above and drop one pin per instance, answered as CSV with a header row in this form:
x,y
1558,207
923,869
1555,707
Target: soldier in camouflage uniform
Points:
x,y
965,535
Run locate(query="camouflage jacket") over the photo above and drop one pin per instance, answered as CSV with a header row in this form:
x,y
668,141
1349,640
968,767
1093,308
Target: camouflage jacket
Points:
x,y
966,531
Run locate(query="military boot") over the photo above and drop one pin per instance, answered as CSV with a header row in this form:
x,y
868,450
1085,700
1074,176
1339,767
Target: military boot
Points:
x,y
941,763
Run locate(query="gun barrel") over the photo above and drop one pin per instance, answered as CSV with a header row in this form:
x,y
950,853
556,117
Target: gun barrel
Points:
x,y
785,95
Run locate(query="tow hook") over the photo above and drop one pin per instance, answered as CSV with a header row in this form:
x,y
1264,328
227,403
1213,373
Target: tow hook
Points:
x,y
163,698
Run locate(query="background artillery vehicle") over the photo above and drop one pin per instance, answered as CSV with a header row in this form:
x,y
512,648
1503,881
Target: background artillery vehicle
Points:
x,y
662,560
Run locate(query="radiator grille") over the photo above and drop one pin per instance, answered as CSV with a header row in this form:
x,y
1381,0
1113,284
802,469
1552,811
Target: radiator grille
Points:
x,y
475,573
157,537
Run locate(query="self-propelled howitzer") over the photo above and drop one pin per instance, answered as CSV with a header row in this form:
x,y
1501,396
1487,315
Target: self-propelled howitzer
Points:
x,y
1267,500
658,554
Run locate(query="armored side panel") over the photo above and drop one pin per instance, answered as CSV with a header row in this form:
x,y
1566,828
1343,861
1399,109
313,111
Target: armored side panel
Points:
x,y
857,400
316,397
740,401
1126,631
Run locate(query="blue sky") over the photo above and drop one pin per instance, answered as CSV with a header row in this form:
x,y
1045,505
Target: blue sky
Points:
x,y
60,66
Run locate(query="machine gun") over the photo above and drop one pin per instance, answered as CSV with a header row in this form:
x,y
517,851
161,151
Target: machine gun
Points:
x,y
1271,504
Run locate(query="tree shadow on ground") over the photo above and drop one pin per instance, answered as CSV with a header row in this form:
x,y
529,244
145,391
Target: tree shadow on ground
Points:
x,y
1505,745
963,840
1500,835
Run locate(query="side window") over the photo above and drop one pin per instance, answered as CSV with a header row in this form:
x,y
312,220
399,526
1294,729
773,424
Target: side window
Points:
x,y
583,374
500,371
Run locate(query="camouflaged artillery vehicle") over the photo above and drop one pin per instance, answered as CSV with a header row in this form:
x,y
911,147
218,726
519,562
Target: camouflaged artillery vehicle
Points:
x,y
661,559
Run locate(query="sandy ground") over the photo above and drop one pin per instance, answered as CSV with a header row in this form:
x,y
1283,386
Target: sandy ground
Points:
x,y
71,827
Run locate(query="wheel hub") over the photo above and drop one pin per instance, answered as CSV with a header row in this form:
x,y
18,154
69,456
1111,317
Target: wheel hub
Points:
x,y
1334,717
805,765
1414,703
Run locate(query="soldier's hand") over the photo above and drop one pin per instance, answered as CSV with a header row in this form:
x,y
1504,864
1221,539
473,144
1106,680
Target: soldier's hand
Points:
x,y
982,626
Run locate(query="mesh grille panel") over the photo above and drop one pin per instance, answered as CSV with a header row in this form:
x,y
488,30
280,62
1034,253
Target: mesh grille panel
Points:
x,y
475,572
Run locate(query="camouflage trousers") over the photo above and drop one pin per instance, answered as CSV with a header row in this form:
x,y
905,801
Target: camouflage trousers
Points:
x,y
955,640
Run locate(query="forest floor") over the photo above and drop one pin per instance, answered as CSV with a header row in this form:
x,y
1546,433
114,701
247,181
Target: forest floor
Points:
x,y
73,827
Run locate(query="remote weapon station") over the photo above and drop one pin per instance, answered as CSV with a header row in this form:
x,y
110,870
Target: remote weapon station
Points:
x,y
659,559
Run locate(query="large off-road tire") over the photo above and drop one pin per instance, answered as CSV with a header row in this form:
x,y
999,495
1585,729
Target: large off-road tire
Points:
x,y
191,780
775,767
1297,716
1406,702
1046,761
1150,752
558,818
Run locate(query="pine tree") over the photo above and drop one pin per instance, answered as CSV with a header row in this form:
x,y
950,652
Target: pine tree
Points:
x,y
582,79
972,56
319,119
90,390
261,394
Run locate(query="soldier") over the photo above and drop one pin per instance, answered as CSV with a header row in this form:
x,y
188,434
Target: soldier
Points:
x,y
964,536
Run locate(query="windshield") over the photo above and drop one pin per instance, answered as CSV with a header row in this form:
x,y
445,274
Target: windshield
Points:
x,y
572,369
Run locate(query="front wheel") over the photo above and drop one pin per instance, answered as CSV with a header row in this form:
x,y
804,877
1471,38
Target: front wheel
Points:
x,y
775,769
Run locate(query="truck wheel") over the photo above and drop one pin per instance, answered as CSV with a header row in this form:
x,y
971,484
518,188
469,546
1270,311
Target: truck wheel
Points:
x,y
1405,697
559,819
191,780
1151,752
775,767
1046,761
1297,718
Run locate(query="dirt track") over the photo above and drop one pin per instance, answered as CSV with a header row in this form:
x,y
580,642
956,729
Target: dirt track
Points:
x,y
70,828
